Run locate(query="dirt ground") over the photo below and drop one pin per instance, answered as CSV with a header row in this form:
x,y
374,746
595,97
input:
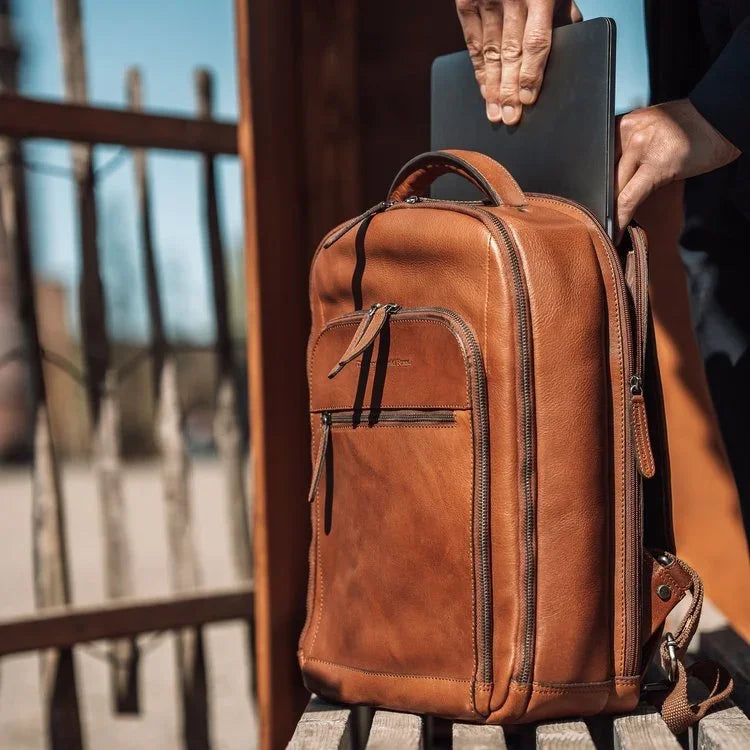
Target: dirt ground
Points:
x,y
232,716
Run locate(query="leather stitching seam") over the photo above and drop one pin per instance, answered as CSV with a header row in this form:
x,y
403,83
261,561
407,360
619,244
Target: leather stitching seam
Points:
x,y
647,458
375,673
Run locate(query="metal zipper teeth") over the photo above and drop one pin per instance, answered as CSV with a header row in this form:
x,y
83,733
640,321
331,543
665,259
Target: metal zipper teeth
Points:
x,y
632,506
480,392
528,445
527,467
392,416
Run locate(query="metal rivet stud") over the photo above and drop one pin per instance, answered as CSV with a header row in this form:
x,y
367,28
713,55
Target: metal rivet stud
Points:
x,y
664,592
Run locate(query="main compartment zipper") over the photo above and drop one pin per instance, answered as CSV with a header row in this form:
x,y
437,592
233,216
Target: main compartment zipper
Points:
x,y
502,234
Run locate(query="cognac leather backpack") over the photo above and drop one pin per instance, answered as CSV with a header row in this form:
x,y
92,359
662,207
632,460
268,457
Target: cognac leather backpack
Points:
x,y
491,525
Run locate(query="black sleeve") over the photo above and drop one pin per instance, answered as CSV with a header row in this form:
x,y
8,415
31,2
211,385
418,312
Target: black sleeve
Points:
x,y
722,96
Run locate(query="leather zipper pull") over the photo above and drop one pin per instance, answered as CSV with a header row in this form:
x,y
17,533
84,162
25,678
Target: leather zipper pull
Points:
x,y
641,437
371,325
325,431
377,208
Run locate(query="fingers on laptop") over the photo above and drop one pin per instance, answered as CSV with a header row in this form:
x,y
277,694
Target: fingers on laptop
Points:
x,y
509,43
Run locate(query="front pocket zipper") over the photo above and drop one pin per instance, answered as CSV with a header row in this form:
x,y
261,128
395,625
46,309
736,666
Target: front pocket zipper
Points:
x,y
375,417
369,418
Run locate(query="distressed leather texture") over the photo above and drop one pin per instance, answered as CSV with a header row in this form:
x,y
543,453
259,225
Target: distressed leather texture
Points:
x,y
480,450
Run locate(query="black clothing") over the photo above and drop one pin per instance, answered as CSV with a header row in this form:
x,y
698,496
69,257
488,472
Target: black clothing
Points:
x,y
701,49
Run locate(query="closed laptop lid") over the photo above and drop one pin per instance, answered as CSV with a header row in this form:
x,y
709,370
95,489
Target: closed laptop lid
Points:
x,y
564,144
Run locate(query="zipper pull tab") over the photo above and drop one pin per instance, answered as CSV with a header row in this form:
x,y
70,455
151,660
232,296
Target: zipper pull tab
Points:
x,y
371,325
641,437
377,208
325,423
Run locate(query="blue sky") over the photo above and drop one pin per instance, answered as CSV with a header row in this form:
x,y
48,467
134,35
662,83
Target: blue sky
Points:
x,y
167,39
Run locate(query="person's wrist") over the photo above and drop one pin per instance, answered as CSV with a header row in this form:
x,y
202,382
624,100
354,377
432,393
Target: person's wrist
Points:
x,y
717,150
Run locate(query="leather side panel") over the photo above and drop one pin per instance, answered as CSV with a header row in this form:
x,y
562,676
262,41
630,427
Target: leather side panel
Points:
x,y
617,434
573,493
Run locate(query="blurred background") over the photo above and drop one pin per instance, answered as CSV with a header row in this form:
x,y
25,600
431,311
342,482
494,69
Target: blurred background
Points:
x,y
113,449
124,435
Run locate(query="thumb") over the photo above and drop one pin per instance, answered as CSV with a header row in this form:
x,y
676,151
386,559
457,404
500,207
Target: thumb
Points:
x,y
638,188
567,12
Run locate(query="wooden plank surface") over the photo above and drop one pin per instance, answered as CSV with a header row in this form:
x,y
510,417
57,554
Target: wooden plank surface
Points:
x,y
22,117
729,648
323,727
643,730
57,627
477,737
563,735
726,729
391,730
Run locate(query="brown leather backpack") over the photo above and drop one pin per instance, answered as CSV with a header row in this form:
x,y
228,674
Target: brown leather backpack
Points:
x,y
491,524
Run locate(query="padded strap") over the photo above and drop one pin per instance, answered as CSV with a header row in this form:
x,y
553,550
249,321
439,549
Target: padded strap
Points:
x,y
485,173
676,709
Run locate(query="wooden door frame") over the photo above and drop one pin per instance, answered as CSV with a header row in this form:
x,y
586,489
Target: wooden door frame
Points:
x,y
298,143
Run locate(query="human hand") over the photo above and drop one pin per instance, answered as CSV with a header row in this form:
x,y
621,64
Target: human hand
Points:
x,y
508,43
661,144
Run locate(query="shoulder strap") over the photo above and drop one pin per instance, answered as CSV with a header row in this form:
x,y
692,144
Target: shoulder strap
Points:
x,y
676,709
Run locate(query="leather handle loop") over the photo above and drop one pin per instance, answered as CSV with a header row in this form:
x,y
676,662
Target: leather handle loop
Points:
x,y
495,182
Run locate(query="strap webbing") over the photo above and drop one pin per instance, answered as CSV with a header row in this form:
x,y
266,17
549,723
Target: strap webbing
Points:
x,y
676,709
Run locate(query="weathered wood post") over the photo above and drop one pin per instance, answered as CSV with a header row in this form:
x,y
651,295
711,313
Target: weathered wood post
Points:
x,y
183,559
156,318
184,569
101,379
226,425
51,582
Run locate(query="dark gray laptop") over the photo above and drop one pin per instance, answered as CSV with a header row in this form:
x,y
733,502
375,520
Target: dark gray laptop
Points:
x,y
564,144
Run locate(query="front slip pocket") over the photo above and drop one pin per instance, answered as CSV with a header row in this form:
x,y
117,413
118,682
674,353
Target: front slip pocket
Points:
x,y
399,570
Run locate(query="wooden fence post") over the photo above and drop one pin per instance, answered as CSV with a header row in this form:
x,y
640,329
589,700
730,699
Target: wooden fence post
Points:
x,y
183,559
51,584
191,660
226,424
134,96
101,380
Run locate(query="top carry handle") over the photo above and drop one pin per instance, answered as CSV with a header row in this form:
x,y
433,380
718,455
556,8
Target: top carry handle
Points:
x,y
495,182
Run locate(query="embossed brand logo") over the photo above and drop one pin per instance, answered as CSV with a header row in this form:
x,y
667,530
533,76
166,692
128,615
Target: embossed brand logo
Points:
x,y
394,362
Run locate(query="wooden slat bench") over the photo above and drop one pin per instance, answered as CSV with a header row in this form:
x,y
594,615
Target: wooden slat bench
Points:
x,y
329,727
